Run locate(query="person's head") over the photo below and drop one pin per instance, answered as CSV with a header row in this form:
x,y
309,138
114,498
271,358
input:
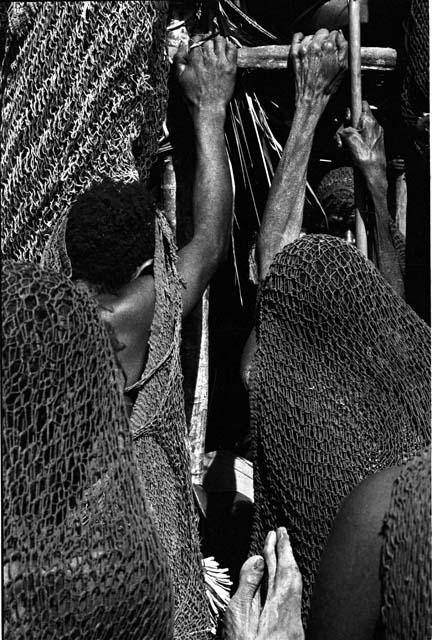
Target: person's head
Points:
x,y
110,233
336,195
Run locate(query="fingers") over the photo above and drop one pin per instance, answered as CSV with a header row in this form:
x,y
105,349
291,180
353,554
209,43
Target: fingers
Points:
x,y
270,556
303,48
295,46
366,110
251,575
320,37
342,46
285,555
230,51
195,50
219,45
181,58
297,38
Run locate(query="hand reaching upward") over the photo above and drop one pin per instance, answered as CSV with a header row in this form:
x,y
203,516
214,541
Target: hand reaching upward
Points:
x,y
207,72
319,62
366,143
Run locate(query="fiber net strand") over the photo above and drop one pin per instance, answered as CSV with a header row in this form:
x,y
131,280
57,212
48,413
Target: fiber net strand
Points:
x,y
159,432
86,88
340,388
81,556
415,54
406,567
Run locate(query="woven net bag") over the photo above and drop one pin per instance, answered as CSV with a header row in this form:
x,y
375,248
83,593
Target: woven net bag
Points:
x,y
87,86
81,556
340,388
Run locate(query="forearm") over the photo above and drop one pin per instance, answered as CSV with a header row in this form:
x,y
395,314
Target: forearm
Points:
x,y
283,214
211,207
212,193
387,258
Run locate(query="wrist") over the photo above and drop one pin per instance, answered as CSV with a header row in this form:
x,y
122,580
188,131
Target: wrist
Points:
x,y
375,175
209,114
306,118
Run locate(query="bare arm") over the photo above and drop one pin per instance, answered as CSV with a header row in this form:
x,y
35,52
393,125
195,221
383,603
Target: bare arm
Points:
x,y
319,64
207,75
367,149
347,594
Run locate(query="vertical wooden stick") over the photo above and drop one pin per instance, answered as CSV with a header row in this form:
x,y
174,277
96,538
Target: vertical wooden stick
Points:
x,y
356,109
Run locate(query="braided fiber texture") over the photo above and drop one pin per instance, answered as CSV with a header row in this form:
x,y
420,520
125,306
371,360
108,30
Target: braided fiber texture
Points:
x,y
159,433
340,389
87,86
81,555
406,559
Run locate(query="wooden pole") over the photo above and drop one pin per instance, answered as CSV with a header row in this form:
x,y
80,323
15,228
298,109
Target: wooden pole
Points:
x,y
273,57
356,110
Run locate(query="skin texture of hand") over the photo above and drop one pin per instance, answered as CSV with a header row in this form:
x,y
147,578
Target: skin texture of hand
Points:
x,y
319,63
207,73
280,616
366,144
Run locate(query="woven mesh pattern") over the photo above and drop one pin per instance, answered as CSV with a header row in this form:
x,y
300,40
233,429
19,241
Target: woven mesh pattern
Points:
x,y
340,389
81,556
415,86
406,559
160,439
89,79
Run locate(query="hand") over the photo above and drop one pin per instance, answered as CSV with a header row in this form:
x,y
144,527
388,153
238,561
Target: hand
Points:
x,y
279,616
366,144
207,73
319,62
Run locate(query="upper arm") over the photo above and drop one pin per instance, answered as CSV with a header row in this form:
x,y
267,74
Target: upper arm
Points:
x,y
130,316
347,595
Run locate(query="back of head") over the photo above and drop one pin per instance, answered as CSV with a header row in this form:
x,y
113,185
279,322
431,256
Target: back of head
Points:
x,y
339,389
110,233
80,550
336,194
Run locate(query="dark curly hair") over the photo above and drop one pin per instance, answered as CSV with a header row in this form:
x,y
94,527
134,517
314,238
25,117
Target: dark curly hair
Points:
x,y
110,232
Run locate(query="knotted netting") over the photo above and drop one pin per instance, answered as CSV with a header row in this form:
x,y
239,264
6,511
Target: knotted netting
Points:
x,y
81,556
406,557
84,99
340,388
415,84
159,432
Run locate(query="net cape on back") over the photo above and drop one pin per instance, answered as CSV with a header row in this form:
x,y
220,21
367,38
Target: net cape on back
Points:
x,y
406,558
159,432
81,555
339,390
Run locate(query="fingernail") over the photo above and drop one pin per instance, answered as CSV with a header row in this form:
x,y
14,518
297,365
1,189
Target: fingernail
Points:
x,y
259,564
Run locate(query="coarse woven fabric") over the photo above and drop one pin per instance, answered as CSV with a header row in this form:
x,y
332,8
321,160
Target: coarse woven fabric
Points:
x,y
340,389
81,556
406,557
83,100
159,432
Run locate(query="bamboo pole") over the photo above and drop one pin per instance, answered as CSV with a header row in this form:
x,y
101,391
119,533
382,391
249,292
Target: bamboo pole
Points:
x,y
356,110
273,57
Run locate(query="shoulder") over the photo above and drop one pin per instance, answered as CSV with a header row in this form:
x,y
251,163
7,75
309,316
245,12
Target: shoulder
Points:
x,y
368,502
132,307
347,595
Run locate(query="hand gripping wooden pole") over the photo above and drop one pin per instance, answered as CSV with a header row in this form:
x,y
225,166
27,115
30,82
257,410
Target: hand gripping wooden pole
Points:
x,y
275,56
356,110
